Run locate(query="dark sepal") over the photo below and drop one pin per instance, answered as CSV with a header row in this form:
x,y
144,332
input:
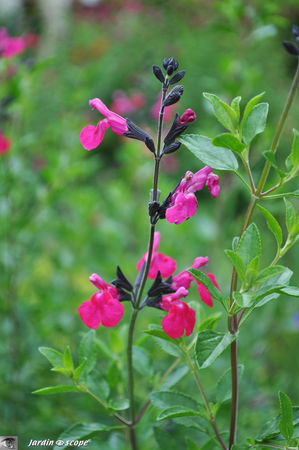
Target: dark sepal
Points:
x,y
177,77
170,65
124,296
174,95
153,208
171,148
295,31
174,132
135,132
165,204
154,302
121,281
158,73
291,48
160,287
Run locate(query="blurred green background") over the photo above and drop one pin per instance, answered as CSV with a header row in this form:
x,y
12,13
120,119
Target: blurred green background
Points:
x,y
66,213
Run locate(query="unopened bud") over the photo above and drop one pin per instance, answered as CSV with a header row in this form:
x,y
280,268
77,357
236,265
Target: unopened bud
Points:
x,y
188,117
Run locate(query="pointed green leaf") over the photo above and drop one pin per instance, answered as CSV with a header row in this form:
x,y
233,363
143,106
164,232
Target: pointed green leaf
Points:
x,y
56,389
244,300
209,345
170,346
53,356
97,384
291,216
292,291
63,370
142,362
273,225
177,411
251,104
210,322
268,273
191,444
175,376
215,157
67,359
120,405
79,370
167,399
235,105
252,271
255,122
228,140
205,280
270,156
223,112
271,428
295,149
250,245
87,351
80,431
283,194
237,262
286,416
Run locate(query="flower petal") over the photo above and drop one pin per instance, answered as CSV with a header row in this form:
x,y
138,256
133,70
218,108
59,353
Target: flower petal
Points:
x,y
91,137
184,207
111,310
90,314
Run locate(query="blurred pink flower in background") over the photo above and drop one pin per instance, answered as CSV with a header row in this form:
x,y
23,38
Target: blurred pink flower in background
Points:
x,y
124,104
168,112
11,46
5,144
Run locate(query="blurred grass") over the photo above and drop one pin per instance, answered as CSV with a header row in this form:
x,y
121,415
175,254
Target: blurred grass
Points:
x,y
67,213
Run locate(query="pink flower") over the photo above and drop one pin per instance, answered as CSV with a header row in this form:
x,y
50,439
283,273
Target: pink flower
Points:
x,y
183,202
180,317
103,307
159,262
4,144
188,117
168,111
204,293
184,278
122,104
91,137
10,46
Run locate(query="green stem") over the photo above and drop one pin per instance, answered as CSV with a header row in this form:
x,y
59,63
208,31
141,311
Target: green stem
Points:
x,y
234,321
143,281
116,415
205,400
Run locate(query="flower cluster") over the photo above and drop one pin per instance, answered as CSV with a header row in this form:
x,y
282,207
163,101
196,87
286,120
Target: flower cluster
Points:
x,y
183,203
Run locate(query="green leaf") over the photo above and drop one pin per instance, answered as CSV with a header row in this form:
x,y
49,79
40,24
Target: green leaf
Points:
x,y
81,431
53,356
215,157
295,149
291,216
250,246
235,105
175,377
177,411
255,122
237,262
273,225
79,370
283,194
170,346
209,345
270,156
164,439
271,428
205,280
87,351
210,322
228,140
251,104
268,273
67,359
56,389
191,444
223,112
167,399
142,362
97,384
244,300
292,291
286,416
119,405
252,271
63,370
224,391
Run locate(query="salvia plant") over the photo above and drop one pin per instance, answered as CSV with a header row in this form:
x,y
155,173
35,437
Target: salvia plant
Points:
x,y
194,346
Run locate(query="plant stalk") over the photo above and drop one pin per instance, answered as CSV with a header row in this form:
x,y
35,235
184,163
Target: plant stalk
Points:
x,y
234,321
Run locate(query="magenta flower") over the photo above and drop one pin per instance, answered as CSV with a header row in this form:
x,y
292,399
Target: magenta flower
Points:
x,y
4,144
180,317
159,262
204,293
11,46
188,117
184,278
183,202
91,137
103,307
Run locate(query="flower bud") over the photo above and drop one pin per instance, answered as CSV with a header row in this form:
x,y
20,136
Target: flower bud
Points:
x,y
188,117
170,65
158,73
291,48
174,95
177,77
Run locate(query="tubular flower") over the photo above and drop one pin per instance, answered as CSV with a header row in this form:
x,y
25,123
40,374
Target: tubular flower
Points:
x,y
103,307
159,262
204,293
91,137
184,278
11,46
183,201
180,317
